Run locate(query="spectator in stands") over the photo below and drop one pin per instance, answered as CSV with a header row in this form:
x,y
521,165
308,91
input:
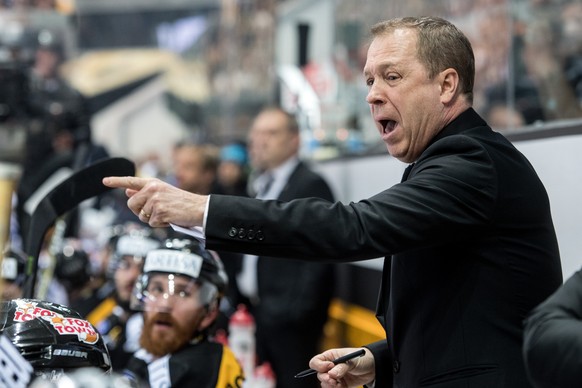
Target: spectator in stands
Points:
x,y
232,173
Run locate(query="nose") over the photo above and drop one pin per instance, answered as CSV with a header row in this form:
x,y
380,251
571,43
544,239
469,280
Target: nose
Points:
x,y
375,95
165,302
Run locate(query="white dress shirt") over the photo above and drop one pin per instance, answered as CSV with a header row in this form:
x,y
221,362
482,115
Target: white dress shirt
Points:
x,y
247,278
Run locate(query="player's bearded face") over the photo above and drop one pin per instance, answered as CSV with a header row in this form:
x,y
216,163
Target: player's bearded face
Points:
x,y
162,334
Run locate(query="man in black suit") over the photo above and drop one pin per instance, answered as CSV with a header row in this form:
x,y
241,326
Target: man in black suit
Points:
x,y
468,236
552,346
289,298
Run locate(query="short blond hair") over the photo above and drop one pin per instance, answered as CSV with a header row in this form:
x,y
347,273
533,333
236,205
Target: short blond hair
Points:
x,y
440,46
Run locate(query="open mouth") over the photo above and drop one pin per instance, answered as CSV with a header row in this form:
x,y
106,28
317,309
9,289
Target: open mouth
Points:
x,y
387,125
163,322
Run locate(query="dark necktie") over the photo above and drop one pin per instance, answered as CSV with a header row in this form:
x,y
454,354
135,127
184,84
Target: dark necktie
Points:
x,y
265,189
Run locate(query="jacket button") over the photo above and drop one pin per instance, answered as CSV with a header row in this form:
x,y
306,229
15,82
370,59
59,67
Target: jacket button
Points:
x,y
396,366
251,234
260,236
242,233
232,232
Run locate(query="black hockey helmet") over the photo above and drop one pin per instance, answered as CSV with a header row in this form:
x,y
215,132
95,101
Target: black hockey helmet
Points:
x,y
72,265
53,338
50,40
186,258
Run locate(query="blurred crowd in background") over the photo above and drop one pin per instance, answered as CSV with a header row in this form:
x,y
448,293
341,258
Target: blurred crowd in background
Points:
x,y
219,62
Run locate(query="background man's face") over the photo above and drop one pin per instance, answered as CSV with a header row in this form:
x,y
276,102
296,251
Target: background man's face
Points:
x,y
270,141
189,171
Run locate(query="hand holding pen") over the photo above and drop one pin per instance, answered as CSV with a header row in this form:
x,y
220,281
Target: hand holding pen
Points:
x,y
347,357
356,373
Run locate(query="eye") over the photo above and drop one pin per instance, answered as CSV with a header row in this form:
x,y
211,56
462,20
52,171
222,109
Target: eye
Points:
x,y
123,264
392,77
369,82
184,294
155,290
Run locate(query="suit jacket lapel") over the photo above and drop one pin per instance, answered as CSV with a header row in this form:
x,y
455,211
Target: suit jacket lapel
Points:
x,y
287,193
384,294
383,306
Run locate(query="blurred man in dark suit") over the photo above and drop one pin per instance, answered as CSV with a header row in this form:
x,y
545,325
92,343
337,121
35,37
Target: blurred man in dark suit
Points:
x,y
289,298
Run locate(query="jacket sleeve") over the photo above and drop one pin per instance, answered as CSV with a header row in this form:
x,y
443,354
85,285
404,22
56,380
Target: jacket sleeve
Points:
x,y
383,362
552,346
453,191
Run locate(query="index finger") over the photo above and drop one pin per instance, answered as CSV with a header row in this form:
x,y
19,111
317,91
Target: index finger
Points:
x,y
125,182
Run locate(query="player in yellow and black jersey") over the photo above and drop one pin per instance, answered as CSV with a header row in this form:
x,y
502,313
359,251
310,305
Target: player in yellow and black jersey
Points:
x,y
179,294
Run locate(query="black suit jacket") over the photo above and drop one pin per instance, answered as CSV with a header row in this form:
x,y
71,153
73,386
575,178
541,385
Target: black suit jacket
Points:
x,y
471,250
553,338
294,292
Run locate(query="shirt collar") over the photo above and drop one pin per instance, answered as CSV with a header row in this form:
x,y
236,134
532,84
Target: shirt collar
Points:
x,y
280,176
283,171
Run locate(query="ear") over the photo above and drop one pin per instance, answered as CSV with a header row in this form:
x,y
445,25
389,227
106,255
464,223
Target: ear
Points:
x,y
209,318
449,84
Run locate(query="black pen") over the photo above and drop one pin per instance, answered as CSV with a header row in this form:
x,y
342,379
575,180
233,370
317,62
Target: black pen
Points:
x,y
349,356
